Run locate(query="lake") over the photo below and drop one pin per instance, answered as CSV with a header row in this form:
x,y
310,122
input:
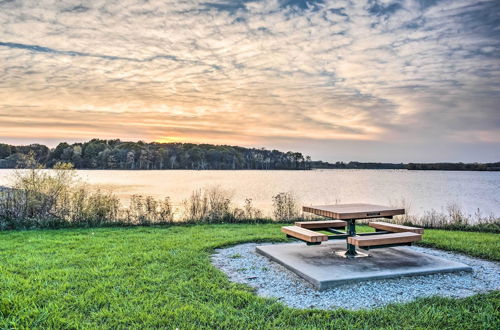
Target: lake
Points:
x,y
422,190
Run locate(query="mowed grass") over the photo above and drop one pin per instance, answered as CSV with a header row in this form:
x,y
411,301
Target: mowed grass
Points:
x,y
482,245
146,277
476,244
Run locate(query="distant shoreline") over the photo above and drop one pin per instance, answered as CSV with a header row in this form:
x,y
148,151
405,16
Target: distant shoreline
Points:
x,y
271,170
115,154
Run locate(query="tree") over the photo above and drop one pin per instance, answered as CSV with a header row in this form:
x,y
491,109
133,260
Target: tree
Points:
x,y
105,154
5,150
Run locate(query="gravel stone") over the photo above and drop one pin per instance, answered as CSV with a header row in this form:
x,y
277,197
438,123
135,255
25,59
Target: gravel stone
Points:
x,y
243,265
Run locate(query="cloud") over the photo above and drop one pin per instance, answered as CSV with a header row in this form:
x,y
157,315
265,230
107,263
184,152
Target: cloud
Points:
x,y
253,71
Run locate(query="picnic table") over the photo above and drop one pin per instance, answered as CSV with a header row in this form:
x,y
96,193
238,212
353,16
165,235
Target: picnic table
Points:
x,y
386,234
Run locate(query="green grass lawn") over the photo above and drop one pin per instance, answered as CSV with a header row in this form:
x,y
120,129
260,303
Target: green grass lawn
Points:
x,y
162,277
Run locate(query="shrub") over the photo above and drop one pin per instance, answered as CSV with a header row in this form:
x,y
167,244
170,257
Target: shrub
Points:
x,y
92,208
248,212
211,204
285,207
145,210
251,212
50,199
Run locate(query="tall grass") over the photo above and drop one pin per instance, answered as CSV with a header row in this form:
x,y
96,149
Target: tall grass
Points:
x,y
212,204
248,211
56,199
453,218
41,199
215,205
285,207
146,210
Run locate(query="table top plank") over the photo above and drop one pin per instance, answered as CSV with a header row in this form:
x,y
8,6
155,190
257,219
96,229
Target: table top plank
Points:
x,y
353,211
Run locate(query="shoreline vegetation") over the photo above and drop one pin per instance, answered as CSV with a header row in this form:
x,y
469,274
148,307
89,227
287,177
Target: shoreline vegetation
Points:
x,y
116,154
58,199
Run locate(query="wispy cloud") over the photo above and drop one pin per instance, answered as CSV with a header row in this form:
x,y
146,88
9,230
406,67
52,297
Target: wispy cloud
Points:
x,y
390,73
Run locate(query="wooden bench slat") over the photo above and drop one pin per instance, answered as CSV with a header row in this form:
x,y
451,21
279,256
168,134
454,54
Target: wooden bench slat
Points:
x,y
304,234
395,228
321,224
384,239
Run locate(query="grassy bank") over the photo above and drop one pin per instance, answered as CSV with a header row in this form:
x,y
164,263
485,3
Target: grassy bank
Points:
x,y
162,277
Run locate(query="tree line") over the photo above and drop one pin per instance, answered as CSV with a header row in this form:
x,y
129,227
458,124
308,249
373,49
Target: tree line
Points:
x,y
116,154
410,166
358,165
455,166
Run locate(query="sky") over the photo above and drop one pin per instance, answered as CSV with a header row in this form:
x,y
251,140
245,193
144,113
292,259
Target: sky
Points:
x,y
367,80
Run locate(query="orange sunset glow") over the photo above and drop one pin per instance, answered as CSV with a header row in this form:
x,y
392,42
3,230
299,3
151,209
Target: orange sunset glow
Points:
x,y
339,80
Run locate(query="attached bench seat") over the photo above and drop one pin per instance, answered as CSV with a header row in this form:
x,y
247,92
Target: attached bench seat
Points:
x,y
395,228
304,234
321,224
372,241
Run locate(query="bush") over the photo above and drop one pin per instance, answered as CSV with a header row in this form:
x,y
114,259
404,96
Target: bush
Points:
x,y
43,199
92,208
248,213
145,210
285,207
215,205
211,204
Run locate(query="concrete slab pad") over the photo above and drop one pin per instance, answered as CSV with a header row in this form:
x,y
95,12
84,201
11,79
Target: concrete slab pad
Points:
x,y
320,266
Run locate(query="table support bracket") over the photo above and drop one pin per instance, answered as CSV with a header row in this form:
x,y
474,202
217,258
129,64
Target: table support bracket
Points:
x,y
351,249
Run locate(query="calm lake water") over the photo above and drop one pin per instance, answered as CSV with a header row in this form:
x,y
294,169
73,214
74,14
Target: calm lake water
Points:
x,y
423,190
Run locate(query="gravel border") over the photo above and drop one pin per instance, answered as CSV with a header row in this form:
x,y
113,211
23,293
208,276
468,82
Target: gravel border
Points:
x,y
243,265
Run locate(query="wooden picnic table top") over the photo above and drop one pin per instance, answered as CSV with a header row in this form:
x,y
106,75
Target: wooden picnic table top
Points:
x,y
353,211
